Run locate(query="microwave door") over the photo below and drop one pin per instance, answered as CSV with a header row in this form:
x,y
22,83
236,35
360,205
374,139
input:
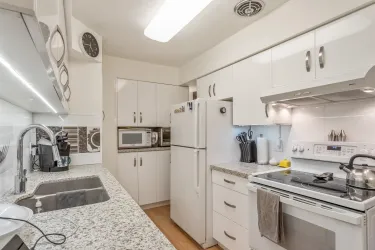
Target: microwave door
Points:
x,y
131,139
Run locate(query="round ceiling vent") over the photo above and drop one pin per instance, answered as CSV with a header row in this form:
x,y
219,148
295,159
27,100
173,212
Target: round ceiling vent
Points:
x,y
248,8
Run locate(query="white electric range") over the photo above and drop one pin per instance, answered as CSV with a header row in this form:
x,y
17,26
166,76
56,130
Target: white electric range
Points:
x,y
318,213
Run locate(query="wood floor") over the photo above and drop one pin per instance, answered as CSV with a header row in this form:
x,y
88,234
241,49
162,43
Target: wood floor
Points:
x,y
161,217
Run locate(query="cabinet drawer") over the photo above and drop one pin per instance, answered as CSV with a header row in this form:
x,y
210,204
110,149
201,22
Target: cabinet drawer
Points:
x,y
231,204
230,234
230,181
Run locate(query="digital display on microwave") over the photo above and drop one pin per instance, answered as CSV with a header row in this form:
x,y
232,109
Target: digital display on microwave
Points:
x,y
131,138
334,148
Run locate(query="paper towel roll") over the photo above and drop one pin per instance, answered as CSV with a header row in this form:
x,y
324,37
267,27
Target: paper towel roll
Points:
x,y
262,150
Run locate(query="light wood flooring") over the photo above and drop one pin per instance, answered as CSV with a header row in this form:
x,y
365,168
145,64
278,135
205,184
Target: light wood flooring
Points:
x,y
161,217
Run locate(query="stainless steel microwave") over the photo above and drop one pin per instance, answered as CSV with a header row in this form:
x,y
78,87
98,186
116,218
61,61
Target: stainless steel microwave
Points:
x,y
134,138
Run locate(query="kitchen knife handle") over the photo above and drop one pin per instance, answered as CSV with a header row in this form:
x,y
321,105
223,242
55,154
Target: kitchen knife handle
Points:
x,y
321,57
308,61
229,236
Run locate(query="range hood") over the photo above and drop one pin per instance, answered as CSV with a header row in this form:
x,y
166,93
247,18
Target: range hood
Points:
x,y
27,78
346,87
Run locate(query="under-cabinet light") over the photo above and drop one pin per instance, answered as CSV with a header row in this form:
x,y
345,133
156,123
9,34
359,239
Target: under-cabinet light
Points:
x,y
172,17
368,90
25,82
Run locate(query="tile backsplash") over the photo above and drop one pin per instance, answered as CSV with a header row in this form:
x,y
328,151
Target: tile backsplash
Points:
x,y
313,123
12,121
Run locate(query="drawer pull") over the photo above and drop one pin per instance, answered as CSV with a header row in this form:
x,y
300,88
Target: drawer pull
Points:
x,y
230,182
229,205
229,236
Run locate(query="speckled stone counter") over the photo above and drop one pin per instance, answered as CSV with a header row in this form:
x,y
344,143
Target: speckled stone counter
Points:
x,y
131,150
118,223
242,169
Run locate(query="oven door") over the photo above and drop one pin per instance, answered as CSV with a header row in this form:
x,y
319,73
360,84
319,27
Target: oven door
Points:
x,y
309,224
133,139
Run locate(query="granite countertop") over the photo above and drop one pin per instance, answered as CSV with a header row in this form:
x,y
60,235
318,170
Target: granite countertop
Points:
x,y
131,150
242,169
118,223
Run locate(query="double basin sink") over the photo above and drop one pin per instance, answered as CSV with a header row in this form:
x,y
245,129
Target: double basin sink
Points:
x,y
65,194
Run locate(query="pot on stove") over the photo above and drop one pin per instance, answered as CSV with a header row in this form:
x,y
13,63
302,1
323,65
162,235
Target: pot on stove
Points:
x,y
362,177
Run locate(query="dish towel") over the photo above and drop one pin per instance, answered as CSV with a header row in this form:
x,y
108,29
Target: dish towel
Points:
x,y
270,216
71,199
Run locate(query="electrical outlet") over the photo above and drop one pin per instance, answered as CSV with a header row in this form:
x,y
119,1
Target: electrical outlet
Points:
x,y
279,146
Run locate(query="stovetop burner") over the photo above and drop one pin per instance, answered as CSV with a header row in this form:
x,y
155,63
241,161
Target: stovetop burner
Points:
x,y
331,186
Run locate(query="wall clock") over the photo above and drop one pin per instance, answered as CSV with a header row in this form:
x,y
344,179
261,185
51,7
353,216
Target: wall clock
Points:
x,y
89,44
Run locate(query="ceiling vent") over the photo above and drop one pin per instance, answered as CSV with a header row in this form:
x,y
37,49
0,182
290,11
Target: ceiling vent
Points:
x,y
248,8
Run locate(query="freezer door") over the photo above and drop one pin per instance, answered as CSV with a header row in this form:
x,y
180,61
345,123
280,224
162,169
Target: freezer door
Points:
x,y
188,124
188,191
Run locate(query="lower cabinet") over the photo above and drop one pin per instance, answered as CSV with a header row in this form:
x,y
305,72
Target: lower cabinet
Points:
x,y
145,175
230,211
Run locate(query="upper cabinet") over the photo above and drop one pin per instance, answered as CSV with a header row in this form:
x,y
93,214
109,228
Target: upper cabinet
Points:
x,y
147,104
296,54
216,86
250,77
346,45
168,95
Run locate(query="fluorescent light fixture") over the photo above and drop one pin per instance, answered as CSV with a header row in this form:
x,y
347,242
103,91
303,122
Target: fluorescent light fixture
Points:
x,y
368,90
172,17
25,82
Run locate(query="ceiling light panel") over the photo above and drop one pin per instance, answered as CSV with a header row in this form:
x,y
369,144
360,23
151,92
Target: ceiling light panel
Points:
x,y
172,17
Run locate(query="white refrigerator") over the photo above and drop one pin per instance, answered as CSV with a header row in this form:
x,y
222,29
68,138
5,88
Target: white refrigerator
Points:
x,y
202,133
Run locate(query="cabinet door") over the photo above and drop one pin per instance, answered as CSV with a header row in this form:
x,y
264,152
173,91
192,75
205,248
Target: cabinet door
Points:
x,y
168,95
222,87
147,177
204,87
163,175
127,172
126,102
293,62
251,76
146,104
347,45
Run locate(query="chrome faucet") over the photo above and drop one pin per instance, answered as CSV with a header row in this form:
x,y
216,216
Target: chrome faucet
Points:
x,y
20,180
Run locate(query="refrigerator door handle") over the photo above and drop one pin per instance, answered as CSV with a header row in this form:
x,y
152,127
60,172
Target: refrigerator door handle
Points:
x,y
196,114
196,171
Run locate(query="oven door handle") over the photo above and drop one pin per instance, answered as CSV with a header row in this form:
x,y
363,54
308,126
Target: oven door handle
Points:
x,y
302,203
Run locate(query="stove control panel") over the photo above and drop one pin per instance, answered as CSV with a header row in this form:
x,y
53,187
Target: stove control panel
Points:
x,y
332,151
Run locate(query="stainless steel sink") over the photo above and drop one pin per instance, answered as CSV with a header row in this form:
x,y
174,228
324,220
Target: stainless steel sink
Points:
x,y
66,194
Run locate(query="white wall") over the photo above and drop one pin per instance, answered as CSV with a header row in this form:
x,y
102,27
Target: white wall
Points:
x,y
291,19
12,120
113,68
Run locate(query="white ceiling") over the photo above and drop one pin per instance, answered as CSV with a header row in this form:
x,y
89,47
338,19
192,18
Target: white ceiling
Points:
x,y
122,22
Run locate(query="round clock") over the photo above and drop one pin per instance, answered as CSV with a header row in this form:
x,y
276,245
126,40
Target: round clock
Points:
x,y
89,44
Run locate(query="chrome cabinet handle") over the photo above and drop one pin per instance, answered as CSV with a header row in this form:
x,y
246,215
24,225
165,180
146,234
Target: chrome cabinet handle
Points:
x,y
229,205
266,110
134,117
140,117
103,115
213,89
321,57
308,61
140,162
229,236
209,90
230,182
135,162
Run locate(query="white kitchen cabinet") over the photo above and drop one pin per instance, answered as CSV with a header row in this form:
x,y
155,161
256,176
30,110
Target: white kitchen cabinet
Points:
x,y
204,87
293,61
168,95
147,177
127,172
346,45
127,102
163,175
146,104
250,78
216,86
136,103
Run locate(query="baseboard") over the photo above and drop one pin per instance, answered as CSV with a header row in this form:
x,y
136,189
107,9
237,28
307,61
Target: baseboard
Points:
x,y
157,204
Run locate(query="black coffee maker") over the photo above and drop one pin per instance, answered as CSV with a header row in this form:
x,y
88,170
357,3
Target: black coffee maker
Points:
x,y
45,155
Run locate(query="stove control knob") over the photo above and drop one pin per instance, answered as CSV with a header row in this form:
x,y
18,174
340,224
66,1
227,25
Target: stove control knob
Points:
x,y
301,148
294,148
